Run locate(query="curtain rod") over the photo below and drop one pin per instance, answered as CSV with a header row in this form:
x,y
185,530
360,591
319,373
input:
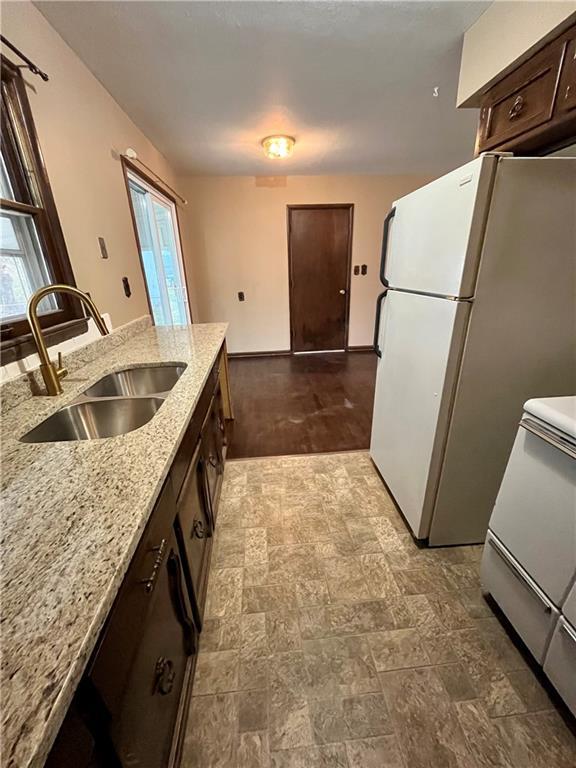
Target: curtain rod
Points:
x,y
131,154
29,64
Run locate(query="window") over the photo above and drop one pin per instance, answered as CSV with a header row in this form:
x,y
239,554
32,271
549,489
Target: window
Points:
x,y
156,225
32,248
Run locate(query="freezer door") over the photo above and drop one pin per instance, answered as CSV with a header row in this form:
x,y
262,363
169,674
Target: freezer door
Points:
x,y
420,340
435,237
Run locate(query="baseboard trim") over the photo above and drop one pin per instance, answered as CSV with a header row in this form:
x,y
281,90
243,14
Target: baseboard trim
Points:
x,y
284,352
369,348
275,353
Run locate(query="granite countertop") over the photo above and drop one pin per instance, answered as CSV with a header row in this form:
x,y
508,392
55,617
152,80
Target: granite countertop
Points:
x,y
72,516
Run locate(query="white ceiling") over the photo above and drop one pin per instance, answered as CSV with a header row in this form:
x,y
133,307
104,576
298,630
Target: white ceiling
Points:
x,y
352,81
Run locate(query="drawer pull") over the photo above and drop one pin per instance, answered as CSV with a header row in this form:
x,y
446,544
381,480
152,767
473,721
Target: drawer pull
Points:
x,y
160,550
567,629
505,559
548,437
516,108
198,530
164,676
177,591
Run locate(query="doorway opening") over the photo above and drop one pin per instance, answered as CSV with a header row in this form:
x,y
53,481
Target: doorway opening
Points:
x,y
319,257
158,237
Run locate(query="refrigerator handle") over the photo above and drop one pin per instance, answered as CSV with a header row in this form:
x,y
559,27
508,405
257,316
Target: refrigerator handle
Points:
x,y
385,236
379,301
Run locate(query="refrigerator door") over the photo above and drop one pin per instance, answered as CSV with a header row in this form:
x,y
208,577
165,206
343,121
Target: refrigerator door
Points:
x,y
520,342
420,340
434,239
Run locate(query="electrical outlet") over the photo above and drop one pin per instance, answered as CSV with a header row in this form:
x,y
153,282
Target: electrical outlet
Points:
x,y
364,269
241,296
356,269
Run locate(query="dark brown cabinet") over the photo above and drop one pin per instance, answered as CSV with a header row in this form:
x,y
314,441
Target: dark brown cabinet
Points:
x,y
141,729
194,530
213,451
140,666
532,109
129,709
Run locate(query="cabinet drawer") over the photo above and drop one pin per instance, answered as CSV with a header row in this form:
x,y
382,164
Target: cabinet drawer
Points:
x,y
560,663
188,445
521,101
566,101
539,476
528,609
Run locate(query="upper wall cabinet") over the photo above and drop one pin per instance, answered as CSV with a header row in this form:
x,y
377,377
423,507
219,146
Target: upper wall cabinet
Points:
x,y
533,108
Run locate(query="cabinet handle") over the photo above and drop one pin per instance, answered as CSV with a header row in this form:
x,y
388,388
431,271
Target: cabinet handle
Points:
x,y
198,530
175,574
164,676
548,437
567,629
160,552
516,108
518,575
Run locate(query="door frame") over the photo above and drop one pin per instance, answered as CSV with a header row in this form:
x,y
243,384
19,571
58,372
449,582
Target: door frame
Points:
x,y
350,208
129,167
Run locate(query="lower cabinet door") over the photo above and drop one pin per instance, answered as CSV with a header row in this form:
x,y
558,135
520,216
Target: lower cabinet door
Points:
x,y
142,728
560,662
213,452
528,609
194,531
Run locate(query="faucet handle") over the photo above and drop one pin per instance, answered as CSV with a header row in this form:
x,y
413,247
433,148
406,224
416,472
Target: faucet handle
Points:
x,y
60,370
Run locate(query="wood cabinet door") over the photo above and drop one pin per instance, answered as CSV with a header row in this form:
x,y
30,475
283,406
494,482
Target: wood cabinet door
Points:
x,y
212,452
194,532
521,101
566,100
142,728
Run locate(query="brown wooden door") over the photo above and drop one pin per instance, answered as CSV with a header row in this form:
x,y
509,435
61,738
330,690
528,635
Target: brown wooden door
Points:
x,y
319,246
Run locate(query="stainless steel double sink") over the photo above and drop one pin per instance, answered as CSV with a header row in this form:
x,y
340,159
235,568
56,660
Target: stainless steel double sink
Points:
x,y
118,403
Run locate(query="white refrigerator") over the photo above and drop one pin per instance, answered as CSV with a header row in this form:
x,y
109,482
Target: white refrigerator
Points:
x,y
477,315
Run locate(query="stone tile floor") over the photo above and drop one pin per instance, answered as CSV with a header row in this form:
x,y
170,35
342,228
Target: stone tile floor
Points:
x,y
332,641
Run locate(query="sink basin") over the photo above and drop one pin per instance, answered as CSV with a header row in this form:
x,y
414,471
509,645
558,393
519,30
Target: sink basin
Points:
x,y
135,382
95,419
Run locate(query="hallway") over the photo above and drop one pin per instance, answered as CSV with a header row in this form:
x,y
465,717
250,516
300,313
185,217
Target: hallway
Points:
x,y
294,404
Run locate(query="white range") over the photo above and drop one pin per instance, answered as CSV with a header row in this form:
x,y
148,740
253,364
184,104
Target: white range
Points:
x,y
529,562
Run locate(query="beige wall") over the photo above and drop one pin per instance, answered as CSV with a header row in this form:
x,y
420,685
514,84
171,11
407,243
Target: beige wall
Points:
x,y
504,33
237,241
80,126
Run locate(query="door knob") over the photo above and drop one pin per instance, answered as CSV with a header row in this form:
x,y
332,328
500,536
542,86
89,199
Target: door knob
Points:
x,y
342,291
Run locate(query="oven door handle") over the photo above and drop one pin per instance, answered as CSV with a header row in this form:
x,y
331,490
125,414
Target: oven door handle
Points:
x,y
177,591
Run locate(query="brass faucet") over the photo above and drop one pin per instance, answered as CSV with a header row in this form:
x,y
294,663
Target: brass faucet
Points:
x,y
51,373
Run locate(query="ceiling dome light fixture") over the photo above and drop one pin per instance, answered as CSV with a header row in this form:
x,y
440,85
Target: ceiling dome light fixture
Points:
x,y
278,147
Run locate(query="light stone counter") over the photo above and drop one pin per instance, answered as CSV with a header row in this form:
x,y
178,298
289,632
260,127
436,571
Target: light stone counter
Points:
x,y
72,516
